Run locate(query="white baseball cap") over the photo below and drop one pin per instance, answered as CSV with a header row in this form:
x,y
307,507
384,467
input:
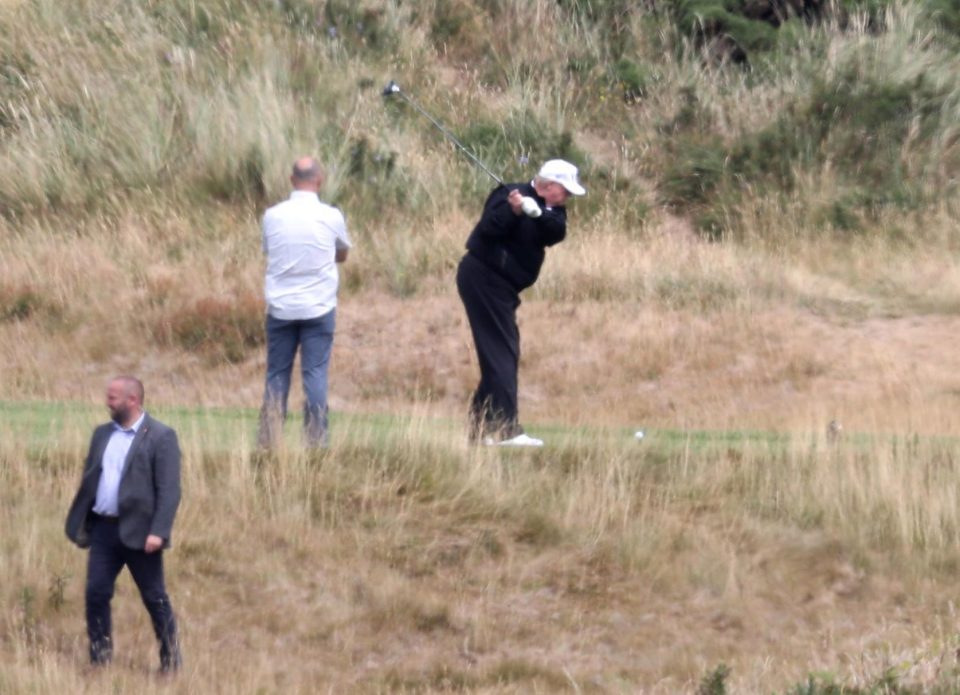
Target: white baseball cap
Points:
x,y
564,173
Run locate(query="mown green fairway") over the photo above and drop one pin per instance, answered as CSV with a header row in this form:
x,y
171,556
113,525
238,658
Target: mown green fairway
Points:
x,y
39,424
42,424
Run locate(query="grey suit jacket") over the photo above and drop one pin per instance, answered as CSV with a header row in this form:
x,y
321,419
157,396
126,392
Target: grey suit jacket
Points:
x,y
149,486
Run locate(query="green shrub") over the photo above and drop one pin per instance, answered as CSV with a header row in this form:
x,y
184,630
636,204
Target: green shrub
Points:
x,y
633,79
367,171
450,19
945,13
19,302
854,124
727,22
715,682
522,142
693,172
743,30
887,684
838,215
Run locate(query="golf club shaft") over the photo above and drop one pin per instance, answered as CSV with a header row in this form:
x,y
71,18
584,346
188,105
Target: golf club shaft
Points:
x,y
393,88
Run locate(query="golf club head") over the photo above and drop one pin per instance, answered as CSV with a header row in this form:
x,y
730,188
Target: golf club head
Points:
x,y
391,89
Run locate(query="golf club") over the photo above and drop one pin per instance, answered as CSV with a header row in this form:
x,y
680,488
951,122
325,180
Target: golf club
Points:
x,y
393,88
529,205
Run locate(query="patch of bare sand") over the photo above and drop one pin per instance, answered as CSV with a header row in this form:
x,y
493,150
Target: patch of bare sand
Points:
x,y
616,364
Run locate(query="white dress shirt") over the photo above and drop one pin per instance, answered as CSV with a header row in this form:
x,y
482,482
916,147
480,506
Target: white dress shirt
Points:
x,y
301,237
114,457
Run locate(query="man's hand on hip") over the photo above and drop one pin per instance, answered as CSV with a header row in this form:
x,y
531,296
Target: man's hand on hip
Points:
x,y
153,544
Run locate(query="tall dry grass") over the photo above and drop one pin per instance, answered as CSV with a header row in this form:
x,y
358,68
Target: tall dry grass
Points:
x,y
401,560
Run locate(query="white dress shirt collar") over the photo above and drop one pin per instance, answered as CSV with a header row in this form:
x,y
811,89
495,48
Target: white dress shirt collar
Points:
x,y
135,427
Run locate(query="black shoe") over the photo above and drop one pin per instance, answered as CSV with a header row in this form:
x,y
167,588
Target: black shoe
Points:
x,y
170,664
101,652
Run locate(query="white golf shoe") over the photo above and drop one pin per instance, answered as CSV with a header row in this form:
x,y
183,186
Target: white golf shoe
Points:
x,y
521,439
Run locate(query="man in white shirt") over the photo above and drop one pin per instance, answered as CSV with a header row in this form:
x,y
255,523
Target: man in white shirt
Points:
x,y
304,239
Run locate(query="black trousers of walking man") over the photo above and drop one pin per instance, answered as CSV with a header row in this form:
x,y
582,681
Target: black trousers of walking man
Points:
x,y
491,304
108,556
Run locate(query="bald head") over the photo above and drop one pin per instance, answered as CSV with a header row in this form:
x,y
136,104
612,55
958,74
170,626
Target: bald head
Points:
x,y
131,385
307,174
125,399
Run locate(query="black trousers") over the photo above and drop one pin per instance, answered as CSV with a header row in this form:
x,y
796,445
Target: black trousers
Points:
x,y
491,305
107,557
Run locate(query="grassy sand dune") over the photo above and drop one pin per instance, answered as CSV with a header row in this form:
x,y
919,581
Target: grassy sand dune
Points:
x,y
768,245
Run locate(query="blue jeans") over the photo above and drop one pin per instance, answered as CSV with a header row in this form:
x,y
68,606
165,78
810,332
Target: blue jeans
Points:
x,y
314,337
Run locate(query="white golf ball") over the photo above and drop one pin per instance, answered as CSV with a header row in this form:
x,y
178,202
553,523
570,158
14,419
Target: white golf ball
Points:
x,y
638,435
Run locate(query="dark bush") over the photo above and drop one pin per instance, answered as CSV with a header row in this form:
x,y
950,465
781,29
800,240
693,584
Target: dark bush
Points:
x,y
735,29
741,30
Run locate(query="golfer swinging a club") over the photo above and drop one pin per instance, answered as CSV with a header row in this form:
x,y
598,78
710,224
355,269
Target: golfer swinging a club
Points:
x,y
504,255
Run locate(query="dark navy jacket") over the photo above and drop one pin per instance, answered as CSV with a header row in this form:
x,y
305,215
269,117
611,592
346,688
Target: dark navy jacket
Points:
x,y
514,246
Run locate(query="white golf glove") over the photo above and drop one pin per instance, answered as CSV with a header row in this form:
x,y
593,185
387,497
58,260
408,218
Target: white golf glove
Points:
x,y
530,207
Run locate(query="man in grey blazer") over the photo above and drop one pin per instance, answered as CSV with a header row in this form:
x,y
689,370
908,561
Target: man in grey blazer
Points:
x,y
123,512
